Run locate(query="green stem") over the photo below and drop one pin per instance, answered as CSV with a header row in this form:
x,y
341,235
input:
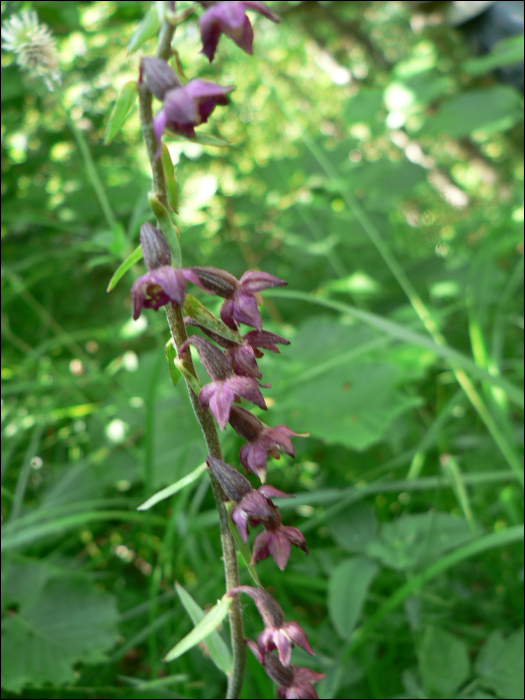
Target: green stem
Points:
x,y
179,335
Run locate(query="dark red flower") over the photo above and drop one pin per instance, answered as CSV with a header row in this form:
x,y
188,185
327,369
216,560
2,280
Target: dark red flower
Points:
x,y
230,18
188,106
240,305
293,682
261,440
277,634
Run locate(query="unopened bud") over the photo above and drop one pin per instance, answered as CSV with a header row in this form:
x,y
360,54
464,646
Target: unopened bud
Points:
x,y
234,484
158,76
217,281
155,249
212,359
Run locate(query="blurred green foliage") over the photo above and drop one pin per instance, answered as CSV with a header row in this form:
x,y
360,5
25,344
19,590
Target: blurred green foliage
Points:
x,y
373,168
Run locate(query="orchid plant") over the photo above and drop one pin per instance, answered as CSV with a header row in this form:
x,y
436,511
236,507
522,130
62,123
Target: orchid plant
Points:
x,y
229,358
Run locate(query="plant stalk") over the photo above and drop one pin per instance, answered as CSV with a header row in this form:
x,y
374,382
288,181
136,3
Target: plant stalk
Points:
x,y
204,417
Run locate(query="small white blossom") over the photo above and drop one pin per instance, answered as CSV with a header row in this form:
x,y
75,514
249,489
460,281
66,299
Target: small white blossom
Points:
x,y
33,44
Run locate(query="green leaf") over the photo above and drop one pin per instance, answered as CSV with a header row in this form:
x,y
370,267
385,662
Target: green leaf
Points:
x,y
124,267
407,335
347,591
68,621
188,376
355,528
330,394
146,30
169,176
489,110
202,629
415,540
193,307
168,228
121,109
504,53
219,652
500,664
171,356
174,488
443,662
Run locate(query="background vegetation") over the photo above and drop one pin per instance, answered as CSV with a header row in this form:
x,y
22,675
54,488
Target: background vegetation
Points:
x,y
375,165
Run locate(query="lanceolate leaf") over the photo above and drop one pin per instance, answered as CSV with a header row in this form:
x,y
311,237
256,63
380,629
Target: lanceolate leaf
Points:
x,y
193,307
202,630
219,652
171,354
145,31
123,104
174,488
172,189
124,267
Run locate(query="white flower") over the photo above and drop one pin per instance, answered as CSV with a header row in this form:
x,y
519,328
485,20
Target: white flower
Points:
x,y
33,44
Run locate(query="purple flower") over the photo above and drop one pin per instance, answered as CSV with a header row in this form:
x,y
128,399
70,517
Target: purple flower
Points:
x,y
188,106
229,18
293,682
276,540
162,283
219,394
253,504
257,507
262,440
277,634
242,357
240,305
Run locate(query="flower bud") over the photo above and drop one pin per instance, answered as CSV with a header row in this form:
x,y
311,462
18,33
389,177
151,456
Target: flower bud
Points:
x,y
212,359
234,484
155,249
217,281
158,76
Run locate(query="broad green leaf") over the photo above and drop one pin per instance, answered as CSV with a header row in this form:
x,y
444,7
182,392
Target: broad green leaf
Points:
x,y
193,307
147,29
500,664
407,335
169,176
168,228
67,622
331,393
443,662
174,488
202,629
243,548
354,528
171,356
504,53
489,110
347,589
120,112
216,645
415,540
124,267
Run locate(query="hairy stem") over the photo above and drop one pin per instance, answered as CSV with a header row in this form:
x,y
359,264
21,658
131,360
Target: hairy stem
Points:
x,y
179,335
